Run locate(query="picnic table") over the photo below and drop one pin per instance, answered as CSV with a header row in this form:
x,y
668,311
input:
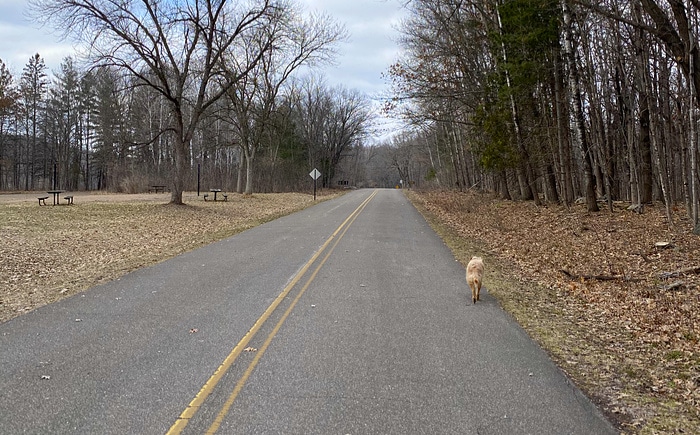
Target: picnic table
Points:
x,y
215,191
158,188
55,194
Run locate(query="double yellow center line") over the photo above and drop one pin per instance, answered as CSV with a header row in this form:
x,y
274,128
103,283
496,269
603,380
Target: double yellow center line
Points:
x,y
209,386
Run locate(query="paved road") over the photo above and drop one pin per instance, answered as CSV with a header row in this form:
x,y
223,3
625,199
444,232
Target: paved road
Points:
x,y
350,317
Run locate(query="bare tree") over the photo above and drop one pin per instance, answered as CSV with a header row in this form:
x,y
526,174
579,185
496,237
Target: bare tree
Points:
x,y
331,122
175,47
298,42
578,122
673,24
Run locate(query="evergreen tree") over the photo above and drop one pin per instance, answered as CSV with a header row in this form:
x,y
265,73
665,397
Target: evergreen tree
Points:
x,y
33,87
62,126
8,108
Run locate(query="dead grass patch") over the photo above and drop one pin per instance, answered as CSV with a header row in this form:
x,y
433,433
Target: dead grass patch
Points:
x,y
48,253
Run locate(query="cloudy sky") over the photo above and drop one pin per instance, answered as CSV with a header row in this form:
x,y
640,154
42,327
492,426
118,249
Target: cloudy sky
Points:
x,y
371,47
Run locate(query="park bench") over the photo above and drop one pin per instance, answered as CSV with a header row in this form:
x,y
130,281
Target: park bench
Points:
x,y
69,198
206,195
42,200
225,197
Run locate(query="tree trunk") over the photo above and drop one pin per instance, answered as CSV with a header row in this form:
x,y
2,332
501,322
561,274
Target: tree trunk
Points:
x,y
503,184
693,148
181,165
645,175
577,108
655,147
528,188
181,157
249,172
564,148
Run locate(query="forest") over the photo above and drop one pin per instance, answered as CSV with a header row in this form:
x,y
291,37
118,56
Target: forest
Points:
x,y
101,133
540,100
552,100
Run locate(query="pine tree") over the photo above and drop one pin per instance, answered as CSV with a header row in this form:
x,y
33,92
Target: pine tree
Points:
x,y
33,87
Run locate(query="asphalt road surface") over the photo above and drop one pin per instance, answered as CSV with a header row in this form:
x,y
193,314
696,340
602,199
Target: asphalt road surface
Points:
x,y
350,317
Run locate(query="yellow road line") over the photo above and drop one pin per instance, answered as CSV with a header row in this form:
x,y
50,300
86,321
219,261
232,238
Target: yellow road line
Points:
x,y
244,378
211,383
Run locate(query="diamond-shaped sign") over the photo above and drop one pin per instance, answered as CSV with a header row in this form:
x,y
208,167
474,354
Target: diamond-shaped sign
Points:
x,y
315,174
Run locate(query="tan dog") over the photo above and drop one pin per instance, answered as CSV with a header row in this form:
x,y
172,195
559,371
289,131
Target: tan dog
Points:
x,y
475,276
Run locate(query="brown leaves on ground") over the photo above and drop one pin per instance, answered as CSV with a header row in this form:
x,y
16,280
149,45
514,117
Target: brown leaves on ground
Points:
x,y
51,252
620,315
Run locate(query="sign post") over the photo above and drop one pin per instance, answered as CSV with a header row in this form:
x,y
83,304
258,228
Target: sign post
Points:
x,y
315,174
198,178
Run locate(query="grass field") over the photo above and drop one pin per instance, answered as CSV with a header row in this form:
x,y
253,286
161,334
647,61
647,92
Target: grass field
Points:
x,y
51,252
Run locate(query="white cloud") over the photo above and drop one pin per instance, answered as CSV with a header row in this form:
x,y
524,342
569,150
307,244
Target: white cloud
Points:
x,y
21,38
371,47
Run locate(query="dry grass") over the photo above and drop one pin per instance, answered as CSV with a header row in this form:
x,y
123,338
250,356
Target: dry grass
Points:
x,y
630,342
48,253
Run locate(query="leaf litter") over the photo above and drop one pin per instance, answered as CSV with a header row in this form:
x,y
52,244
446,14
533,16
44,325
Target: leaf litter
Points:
x,y
612,296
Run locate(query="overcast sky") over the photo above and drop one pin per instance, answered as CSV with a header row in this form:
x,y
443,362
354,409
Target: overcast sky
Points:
x,y
370,50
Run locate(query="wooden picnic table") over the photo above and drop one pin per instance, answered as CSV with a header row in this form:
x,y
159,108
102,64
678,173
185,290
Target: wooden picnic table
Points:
x,y
158,188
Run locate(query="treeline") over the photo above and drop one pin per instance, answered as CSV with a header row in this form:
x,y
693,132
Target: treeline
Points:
x,y
101,129
173,92
552,100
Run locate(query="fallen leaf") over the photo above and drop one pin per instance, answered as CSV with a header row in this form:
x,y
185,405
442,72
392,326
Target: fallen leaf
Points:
x,y
620,335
